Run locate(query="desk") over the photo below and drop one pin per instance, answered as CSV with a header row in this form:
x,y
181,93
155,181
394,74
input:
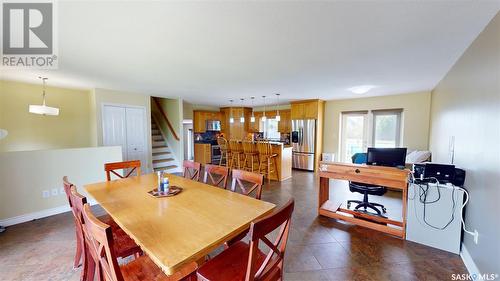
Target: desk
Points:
x,y
385,176
175,231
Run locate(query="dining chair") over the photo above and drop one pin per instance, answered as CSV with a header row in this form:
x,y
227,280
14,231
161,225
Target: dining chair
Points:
x,y
127,246
240,177
79,238
191,170
102,258
215,175
134,165
243,261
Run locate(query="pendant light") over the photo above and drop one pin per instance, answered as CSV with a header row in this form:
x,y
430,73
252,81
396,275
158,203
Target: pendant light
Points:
x,y
264,115
242,118
231,119
252,119
278,117
43,109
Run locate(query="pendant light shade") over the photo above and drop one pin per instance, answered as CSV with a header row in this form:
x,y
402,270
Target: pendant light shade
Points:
x,y
252,118
242,118
264,118
43,109
231,119
278,117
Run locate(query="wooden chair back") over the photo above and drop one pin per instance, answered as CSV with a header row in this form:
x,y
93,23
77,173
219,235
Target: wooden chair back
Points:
x,y
99,241
134,165
264,148
249,147
77,203
240,176
216,175
235,146
191,170
272,266
67,189
223,144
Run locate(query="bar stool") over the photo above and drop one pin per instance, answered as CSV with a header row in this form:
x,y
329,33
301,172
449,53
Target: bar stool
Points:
x,y
251,154
225,152
236,154
267,160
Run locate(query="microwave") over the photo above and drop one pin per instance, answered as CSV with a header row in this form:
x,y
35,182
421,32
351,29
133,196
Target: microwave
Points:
x,y
213,125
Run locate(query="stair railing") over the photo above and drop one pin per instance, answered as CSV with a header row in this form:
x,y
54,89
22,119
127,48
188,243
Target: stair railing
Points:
x,y
164,115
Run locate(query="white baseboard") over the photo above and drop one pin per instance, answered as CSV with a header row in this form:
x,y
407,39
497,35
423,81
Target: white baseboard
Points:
x,y
468,261
37,215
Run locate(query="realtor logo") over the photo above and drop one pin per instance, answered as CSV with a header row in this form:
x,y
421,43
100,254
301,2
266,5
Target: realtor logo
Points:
x,y
28,38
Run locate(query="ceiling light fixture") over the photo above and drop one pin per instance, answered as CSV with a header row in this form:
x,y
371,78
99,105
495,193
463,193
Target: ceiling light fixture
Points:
x,y
264,115
43,109
362,89
231,119
278,117
242,118
252,119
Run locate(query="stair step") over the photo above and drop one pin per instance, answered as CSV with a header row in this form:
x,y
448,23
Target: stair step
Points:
x,y
157,138
170,167
161,149
158,144
163,160
155,131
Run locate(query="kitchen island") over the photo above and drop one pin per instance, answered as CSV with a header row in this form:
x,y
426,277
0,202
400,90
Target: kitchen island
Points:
x,y
283,161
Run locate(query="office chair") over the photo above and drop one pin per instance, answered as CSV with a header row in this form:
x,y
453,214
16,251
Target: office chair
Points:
x,y
365,189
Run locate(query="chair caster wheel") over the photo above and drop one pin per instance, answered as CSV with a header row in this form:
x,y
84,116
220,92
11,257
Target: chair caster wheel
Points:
x,y
348,205
384,210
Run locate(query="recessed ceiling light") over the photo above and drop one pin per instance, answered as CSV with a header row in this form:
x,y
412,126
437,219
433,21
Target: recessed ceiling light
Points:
x,y
362,89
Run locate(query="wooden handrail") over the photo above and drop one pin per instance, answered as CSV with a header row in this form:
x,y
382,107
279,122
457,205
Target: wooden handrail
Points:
x,y
166,119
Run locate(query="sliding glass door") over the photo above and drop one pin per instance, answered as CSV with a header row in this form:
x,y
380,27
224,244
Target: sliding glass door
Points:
x,y
354,137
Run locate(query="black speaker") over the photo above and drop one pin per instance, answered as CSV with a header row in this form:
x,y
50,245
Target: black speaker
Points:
x,y
459,179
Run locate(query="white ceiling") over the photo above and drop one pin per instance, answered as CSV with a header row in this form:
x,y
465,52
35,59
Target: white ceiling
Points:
x,y
208,52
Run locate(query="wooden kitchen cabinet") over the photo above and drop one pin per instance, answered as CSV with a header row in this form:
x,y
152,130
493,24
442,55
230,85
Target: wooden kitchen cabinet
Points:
x,y
200,118
203,153
285,124
308,109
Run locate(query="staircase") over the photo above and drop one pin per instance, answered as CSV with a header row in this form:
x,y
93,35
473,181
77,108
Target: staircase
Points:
x,y
163,159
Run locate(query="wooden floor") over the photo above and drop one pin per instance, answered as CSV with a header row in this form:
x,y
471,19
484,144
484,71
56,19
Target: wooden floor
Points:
x,y
319,248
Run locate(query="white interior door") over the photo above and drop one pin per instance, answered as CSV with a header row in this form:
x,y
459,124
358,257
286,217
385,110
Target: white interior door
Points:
x,y
126,127
136,135
114,131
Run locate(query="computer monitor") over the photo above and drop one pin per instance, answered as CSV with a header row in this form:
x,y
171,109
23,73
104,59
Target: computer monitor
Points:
x,y
391,157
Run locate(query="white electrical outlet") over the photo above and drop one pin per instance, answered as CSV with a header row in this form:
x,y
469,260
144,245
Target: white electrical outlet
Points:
x,y
54,192
476,236
45,194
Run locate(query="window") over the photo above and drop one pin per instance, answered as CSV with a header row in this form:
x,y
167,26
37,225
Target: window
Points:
x,y
362,129
270,128
353,134
386,128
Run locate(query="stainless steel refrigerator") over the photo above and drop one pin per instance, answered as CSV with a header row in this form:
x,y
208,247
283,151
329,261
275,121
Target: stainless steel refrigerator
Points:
x,y
303,141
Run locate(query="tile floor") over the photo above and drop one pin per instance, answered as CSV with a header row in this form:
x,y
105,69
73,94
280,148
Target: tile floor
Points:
x,y
319,248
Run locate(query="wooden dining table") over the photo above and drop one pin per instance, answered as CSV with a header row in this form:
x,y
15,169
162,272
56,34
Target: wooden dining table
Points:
x,y
178,230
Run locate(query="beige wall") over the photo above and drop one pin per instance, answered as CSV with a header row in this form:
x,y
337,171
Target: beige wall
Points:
x,y
466,105
28,173
415,127
29,131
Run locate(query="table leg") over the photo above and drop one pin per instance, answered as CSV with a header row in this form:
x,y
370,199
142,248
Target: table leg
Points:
x,y
405,203
324,191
